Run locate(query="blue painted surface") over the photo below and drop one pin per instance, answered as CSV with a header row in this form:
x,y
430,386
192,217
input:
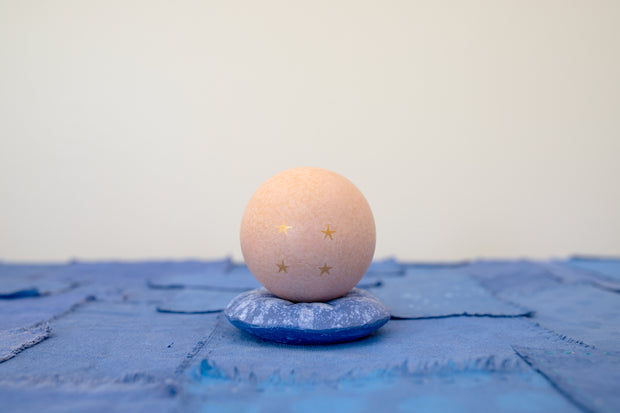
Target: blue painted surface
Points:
x,y
505,336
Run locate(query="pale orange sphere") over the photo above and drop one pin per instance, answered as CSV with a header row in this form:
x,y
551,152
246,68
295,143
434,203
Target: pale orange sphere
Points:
x,y
308,234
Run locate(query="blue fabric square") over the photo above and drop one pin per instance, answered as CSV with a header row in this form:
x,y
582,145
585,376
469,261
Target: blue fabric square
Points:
x,y
579,311
414,346
389,391
21,281
105,342
217,275
17,340
441,293
606,267
226,278
587,377
600,273
111,342
513,278
574,274
191,301
26,312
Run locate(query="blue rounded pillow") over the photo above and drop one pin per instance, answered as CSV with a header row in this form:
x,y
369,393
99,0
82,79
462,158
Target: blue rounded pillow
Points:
x,y
352,316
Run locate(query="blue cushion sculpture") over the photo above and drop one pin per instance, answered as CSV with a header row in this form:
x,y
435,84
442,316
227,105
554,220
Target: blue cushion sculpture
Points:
x,y
350,317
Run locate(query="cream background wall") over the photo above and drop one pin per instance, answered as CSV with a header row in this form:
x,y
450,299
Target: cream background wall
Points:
x,y
139,129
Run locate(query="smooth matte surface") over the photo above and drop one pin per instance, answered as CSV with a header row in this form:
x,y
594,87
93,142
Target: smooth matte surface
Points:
x,y
474,128
506,336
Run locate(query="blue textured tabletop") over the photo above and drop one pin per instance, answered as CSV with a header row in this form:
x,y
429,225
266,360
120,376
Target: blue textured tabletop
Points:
x,y
150,336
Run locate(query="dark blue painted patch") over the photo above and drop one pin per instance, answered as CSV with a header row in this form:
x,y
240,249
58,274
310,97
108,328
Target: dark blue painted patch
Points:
x,y
20,293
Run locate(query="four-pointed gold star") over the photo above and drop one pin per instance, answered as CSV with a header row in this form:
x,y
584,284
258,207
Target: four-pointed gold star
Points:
x,y
282,267
283,227
328,233
325,269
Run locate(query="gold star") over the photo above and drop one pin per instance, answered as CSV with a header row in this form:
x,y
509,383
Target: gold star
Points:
x,y
328,233
283,227
325,269
282,267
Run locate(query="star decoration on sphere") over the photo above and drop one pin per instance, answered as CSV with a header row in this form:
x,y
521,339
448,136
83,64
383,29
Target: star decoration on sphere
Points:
x,y
283,227
325,269
283,267
328,233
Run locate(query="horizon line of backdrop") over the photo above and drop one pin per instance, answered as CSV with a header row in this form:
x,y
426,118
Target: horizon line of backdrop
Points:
x,y
139,129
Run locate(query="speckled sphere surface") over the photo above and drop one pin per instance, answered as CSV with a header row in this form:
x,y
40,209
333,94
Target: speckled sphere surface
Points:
x,y
308,235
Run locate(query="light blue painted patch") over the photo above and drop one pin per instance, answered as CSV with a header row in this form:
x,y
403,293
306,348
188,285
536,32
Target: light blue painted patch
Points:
x,y
324,403
230,406
430,404
528,402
